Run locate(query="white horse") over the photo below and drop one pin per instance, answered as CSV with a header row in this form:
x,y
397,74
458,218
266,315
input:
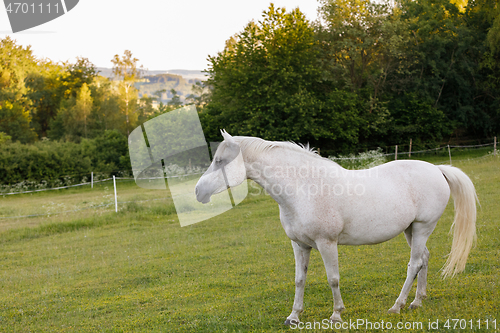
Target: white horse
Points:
x,y
323,205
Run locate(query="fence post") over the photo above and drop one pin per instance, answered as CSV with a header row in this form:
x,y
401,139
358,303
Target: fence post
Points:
x,y
396,154
92,179
495,147
116,201
449,153
409,154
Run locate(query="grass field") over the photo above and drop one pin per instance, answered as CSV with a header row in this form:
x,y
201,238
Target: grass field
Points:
x,y
77,202
92,270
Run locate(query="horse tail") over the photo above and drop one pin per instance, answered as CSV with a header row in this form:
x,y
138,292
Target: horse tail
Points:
x,y
464,225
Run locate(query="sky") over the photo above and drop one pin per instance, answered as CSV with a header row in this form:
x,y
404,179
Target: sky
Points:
x,y
162,34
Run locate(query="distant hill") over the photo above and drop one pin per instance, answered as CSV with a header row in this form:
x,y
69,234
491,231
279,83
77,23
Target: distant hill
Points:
x,y
186,73
152,81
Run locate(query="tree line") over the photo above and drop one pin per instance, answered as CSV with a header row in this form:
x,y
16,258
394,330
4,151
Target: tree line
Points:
x,y
43,100
365,74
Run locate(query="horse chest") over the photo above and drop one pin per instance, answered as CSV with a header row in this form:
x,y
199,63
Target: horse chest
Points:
x,y
305,227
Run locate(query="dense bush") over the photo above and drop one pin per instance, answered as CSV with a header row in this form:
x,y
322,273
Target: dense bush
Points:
x,y
52,160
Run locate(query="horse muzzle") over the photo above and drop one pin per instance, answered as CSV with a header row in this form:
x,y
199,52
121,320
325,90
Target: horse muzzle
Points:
x,y
202,196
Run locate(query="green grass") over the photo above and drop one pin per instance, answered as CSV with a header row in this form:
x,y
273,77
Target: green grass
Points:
x,y
138,270
59,206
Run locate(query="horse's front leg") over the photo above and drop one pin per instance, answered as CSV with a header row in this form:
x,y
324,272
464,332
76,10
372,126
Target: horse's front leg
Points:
x,y
329,253
301,262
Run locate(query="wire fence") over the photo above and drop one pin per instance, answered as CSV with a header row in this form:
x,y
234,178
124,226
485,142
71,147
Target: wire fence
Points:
x,y
409,153
120,192
78,200
445,154
91,183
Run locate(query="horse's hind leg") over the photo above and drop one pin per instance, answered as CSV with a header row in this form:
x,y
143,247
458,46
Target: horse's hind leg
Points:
x,y
422,274
301,263
420,232
421,282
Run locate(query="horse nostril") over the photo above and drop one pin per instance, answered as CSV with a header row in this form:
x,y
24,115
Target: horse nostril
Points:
x,y
196,191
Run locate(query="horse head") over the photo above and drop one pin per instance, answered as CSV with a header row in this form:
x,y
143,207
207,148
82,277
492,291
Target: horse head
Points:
x,y
226,170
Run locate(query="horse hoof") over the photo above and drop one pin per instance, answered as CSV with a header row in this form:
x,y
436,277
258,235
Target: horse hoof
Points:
x,y
414,306
336,319
393,310
289,322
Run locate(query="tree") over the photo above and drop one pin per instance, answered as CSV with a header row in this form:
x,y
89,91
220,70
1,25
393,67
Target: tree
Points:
x,y
412,61
175,101
268,82
449,47
4,137
77,74
49,86
159,94
494,34
46,91
146,108
200,95
106,114
126,70
16,63
161,108
363,47
83,104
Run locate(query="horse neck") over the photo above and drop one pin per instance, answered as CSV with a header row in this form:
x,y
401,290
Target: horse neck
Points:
x,y
295,168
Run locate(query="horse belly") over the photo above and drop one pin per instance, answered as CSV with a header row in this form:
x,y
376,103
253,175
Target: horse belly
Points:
x,y
377,223
372,231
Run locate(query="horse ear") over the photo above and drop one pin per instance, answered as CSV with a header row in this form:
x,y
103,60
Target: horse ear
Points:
x,y
227,137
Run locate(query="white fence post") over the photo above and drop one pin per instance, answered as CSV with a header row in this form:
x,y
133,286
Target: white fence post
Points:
x,y
116,201
409,154
449,153
396,154
92,179
495,147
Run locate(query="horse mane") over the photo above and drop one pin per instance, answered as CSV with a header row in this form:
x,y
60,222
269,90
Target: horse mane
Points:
x,y
252,145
